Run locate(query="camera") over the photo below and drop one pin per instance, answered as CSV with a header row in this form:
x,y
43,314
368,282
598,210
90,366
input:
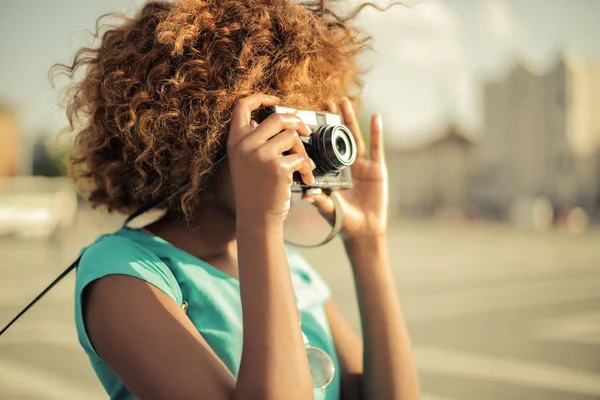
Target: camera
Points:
x,y
331,146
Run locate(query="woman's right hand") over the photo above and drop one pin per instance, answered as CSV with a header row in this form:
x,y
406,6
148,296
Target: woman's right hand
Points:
x,y
262,177
261,174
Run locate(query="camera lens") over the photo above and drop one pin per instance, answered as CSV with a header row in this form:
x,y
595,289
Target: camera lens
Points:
x,y
335,147
343,146
340,146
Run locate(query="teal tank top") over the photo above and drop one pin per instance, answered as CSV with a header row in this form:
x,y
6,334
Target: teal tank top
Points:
x,y
213,298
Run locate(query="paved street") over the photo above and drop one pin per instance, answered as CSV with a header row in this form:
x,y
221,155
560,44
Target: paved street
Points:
x,y
494,313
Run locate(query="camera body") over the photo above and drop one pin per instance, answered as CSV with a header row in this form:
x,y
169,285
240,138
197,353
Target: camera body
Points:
x,y
331,146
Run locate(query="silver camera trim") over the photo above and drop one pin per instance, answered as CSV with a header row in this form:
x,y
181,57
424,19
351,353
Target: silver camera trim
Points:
x,y
310,117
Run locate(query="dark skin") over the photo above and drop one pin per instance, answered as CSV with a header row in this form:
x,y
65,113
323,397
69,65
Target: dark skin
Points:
x,y
244,238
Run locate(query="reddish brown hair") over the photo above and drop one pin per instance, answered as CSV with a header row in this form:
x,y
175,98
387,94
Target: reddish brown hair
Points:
x,y
152,109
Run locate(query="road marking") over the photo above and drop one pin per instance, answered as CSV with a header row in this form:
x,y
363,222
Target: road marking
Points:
x,y
19,295
497,369
583,327
504,298
468,302
425,396
17,380
42,331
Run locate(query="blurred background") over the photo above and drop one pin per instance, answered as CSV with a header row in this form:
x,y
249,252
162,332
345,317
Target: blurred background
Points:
x,y
491,111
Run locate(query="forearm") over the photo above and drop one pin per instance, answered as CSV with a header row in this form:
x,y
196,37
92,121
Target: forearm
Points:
x,y
389,369
273,364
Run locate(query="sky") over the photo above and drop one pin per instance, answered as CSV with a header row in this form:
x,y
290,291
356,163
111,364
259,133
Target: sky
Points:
x,y
429,62
432,58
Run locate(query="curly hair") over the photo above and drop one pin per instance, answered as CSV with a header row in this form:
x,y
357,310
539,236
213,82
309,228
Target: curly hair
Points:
x,y
152,108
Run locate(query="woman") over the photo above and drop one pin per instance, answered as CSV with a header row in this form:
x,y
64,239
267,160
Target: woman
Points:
x,y
207,303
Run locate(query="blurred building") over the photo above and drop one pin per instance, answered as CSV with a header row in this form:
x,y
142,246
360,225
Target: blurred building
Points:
x,y
430,178
540,138
9,142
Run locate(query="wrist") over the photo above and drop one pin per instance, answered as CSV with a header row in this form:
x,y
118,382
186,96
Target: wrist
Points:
x,y
365,240
258,227
367,251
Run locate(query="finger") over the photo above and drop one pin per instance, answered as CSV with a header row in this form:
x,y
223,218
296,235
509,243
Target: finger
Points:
x,y
296,162
242,111
332,107
352,123
324,204
289,141
376,146
277,123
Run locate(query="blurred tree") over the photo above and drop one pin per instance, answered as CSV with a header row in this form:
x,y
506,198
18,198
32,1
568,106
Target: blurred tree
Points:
x,y
49,160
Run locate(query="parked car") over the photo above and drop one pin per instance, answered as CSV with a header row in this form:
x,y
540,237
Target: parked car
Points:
x,y
36,207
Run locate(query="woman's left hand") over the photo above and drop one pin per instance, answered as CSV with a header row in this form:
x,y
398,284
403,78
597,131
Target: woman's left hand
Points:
x,y
365,205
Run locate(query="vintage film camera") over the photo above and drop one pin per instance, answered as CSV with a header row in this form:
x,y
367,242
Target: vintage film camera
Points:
x,y
331,146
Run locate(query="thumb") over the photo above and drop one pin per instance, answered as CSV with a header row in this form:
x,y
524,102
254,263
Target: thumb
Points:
x,y
324,204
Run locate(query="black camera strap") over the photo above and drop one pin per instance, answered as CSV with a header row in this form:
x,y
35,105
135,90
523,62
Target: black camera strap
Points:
x,y
337,225
336,228
42,294
71,267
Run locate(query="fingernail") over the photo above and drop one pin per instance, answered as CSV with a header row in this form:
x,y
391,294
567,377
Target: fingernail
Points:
x,y
310,200
314,191
312,164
